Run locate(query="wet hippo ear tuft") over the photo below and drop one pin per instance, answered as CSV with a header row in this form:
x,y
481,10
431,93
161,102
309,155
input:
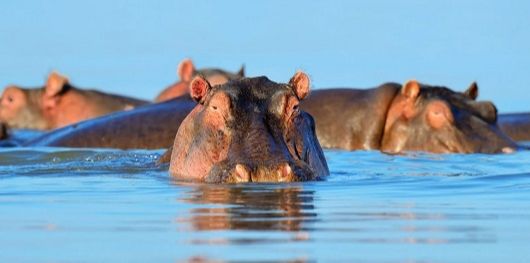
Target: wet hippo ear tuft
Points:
x,y
472,91
439,114
199,87
55,84
186,70
411,89
300,84
241,71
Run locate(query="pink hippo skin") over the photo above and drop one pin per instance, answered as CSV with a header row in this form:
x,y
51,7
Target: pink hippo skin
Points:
x,y
57,104
186,71
248,130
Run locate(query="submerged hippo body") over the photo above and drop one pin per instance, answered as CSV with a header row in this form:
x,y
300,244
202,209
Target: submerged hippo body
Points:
x,y
186,71
248,130
414,117
151,126
57,104
516,125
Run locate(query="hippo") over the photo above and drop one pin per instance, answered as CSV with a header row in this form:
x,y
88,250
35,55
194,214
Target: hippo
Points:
x,y
3,131
413,117
350,119
151,126
248,130
57,104
516,125
186,71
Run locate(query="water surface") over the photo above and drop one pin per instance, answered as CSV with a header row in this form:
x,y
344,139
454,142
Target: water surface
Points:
x,y
66,205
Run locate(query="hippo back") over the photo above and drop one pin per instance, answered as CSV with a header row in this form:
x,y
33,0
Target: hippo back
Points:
x,y
350,119
515,125
151,126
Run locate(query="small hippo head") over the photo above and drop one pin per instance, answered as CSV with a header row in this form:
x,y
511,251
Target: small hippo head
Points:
x,y
186,71
248,130
439,120
22,108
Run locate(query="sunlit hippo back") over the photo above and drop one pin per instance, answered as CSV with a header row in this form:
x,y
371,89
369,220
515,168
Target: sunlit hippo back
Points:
x,y
248,130
439,120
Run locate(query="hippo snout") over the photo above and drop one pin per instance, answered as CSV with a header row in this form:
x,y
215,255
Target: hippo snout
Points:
x,y
243,173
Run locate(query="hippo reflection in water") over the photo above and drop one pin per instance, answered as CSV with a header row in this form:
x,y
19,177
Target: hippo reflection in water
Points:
x,y
248,130
223,207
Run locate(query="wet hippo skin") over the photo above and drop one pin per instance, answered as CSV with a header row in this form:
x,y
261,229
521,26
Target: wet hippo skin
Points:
x,y
414,117
423,118
516,125
348,118
248,130
151,126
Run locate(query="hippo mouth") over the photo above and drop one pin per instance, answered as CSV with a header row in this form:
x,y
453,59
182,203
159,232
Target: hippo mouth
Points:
x,y
279,173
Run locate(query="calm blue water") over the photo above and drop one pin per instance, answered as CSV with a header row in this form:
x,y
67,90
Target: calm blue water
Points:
x,y
64,205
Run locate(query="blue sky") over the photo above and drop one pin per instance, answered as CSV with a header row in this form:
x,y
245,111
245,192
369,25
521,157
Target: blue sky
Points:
x,y
133,47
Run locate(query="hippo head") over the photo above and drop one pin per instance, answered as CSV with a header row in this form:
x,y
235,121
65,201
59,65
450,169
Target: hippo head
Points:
x,y
248,130
439,120
186,71
22,108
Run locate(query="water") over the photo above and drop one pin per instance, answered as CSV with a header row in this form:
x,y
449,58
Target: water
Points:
x,y
64,205
79,205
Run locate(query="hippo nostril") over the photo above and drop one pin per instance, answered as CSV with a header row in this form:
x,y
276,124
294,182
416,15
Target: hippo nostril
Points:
x,y
242,174
285,172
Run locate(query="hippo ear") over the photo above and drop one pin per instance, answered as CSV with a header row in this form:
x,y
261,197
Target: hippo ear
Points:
x,y
411,89
439,114
55,84
300,84
199,87
186,70
472,91
241,72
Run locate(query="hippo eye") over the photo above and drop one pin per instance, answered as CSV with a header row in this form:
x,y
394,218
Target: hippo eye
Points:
x,y
9,98
296,107
214,107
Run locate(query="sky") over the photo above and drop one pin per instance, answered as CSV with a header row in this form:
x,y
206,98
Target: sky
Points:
x,y
133,47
